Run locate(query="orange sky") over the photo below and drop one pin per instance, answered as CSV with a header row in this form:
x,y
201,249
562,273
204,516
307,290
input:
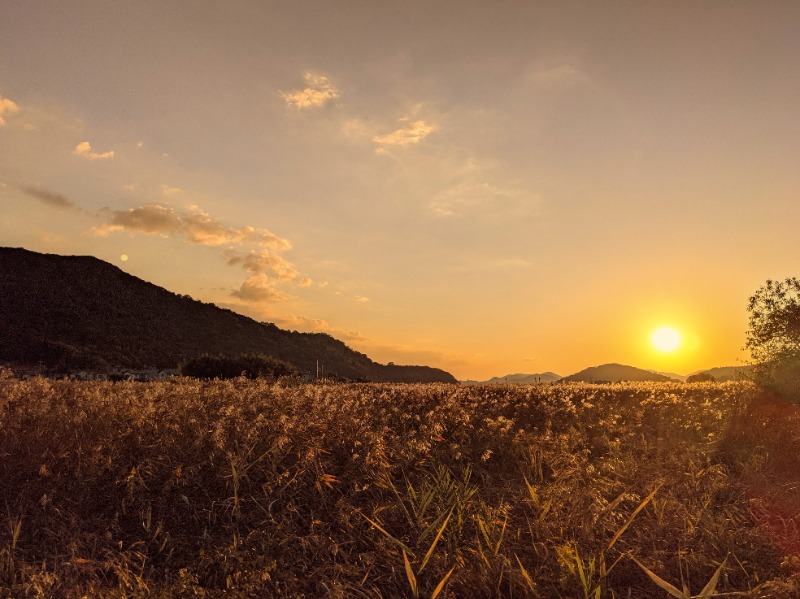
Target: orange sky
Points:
x,y
486,187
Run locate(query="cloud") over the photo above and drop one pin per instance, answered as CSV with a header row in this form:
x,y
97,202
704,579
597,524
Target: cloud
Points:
x,y
85,149
7,107
495,265
317,325
319,91
169,190
264,261
361,299
406,136
556,76
472,189
150,219
265,266
305,282
258,288
197,226
50,198
467,193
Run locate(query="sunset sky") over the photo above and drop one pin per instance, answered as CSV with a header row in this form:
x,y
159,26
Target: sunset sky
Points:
x,y
485,187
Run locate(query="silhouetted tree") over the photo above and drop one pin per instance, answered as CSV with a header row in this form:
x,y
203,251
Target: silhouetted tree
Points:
x,y
228,367
773,336
700,377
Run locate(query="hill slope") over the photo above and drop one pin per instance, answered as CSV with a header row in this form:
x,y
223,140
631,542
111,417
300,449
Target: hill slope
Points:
x,y
72,312
614,373
729,373
519,379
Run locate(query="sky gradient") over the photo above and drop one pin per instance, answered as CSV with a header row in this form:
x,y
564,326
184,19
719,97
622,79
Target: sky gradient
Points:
x,y
485,187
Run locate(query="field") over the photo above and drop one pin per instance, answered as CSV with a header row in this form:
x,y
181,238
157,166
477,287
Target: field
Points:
x,y
246,488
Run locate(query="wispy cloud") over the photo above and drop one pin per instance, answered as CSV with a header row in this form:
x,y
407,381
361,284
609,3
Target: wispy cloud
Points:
x,y
318,325
170,190
7,107
84,149
412,134
196,225
361,299
556,76
50,198
495,265
467,194
474,188
318,92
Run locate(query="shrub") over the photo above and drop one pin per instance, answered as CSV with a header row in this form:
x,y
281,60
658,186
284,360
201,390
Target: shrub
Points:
x,y
228,367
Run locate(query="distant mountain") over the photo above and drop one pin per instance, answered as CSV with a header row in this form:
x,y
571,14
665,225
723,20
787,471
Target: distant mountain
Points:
x,y
671,375
728,373
78,312
518,379
613,373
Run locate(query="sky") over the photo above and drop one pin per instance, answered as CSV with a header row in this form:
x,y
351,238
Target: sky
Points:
x,y
483,187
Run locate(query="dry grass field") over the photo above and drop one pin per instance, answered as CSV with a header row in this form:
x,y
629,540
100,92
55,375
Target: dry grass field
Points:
x,y
239,488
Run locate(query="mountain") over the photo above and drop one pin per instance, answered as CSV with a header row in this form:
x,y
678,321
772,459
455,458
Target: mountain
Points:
x,y
518,379
613,373
728,373
79,312
671,375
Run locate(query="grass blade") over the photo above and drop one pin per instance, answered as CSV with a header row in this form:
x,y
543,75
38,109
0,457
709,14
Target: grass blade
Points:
x,y
389,536
526,576
500,540
711,585
661,582
633,515
412,580
435,541
441,584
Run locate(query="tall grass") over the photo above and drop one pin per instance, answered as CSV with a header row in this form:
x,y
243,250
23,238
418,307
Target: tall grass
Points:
x,y
252,489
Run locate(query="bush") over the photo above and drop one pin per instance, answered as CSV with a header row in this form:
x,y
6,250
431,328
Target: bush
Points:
x,y
228,367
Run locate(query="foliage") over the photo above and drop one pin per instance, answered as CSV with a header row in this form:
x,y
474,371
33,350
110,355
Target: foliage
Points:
x,y
240,488
229,367
773,336
702,377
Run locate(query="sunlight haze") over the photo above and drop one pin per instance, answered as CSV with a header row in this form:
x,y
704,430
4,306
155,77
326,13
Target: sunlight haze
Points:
x,y
483,187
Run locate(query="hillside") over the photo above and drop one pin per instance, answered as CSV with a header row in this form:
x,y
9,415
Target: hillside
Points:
x,y
729,373
69,312
614,373
518,379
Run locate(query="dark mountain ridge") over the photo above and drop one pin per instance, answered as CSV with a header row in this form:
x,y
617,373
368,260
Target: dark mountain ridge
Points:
x,y
613,373
70,312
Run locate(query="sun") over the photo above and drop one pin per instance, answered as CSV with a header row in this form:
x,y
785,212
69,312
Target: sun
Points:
x,y
666,339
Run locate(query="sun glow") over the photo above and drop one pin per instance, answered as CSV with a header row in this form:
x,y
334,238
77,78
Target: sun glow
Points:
x,y
666,339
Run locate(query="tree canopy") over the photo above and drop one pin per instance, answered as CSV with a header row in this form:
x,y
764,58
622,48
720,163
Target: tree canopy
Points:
x,y
228,367
773,337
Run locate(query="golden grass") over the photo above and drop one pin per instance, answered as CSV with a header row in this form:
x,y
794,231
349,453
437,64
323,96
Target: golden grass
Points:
x,y
253,489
